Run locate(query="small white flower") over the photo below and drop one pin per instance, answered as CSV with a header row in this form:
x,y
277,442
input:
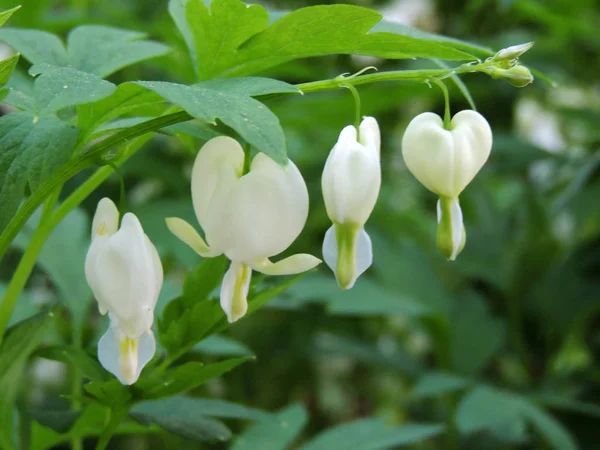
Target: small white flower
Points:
x,y
445,161
350,184
125,274
248,217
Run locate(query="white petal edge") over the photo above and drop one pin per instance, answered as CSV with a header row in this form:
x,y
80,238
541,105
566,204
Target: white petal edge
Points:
x,y
289,266
110,357
234,291
363,254
106,218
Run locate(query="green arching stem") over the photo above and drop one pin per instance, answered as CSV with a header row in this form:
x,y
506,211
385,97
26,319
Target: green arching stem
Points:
x,y
88,158
247,158
447,117
121,188
357,116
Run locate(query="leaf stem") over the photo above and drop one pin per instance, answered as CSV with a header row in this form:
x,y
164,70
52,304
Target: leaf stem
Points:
x,y
357,116
115,418
444,89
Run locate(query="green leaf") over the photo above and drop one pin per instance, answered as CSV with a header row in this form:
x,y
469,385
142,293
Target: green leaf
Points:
x,y
113,49
70,240
189,406
222,346
183,423
126,98
38,47
30,153
77,358
434,384
97,50
59,420
250,86
233,39
251,119
25,308
275,434
509,412
185,377
110,393
6,68
5,15
371,434
61,87
203,280
460,85
18,344
476,335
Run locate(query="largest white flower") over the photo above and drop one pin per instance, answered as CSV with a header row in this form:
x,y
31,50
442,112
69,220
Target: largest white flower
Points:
x,y
125,274
248,217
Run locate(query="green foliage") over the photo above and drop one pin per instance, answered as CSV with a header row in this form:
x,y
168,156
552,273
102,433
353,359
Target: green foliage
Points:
x,y
233,40
19,343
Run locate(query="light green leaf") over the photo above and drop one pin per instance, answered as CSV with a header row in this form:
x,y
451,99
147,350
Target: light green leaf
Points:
x,y
6,68
25,308
233,39
192,406
371,434
60,87
434,384
30,153
113,49
20,341
38,47
275,434
222,346
185,377
203,280
5,15
126,98
251,119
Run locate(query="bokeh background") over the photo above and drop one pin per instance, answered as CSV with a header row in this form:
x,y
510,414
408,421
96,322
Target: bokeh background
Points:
x,y
516,314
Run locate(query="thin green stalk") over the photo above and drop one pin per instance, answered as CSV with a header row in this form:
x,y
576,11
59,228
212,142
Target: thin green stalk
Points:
x,y
26,264
444,89
115,418
357,115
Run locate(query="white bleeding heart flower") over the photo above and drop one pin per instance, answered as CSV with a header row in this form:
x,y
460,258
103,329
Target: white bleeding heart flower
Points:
x,y
350,183
125,274
248,217
445,161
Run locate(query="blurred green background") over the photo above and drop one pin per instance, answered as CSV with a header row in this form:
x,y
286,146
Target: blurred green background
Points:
x,y
514,319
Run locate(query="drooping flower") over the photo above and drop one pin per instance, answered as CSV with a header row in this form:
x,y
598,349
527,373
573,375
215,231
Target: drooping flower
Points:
x,y
248,217
125,274
445,161
350,184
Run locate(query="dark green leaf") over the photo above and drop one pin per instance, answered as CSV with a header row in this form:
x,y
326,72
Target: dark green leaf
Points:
x,y
272,434
189,407
371,434
60,421
188,426
30,152
434,384
77,358
185,377
19,343
203,280
110,393
60,87
251,119
222,346
113,49
234,40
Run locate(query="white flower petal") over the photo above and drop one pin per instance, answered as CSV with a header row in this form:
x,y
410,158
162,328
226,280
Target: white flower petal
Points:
x,y
106,218
234,291
289,266
188,234
124,357
268,209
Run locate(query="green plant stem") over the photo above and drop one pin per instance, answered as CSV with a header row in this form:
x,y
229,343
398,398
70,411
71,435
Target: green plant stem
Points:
x,y
26,264
447,117
76,387
357,116
115,418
